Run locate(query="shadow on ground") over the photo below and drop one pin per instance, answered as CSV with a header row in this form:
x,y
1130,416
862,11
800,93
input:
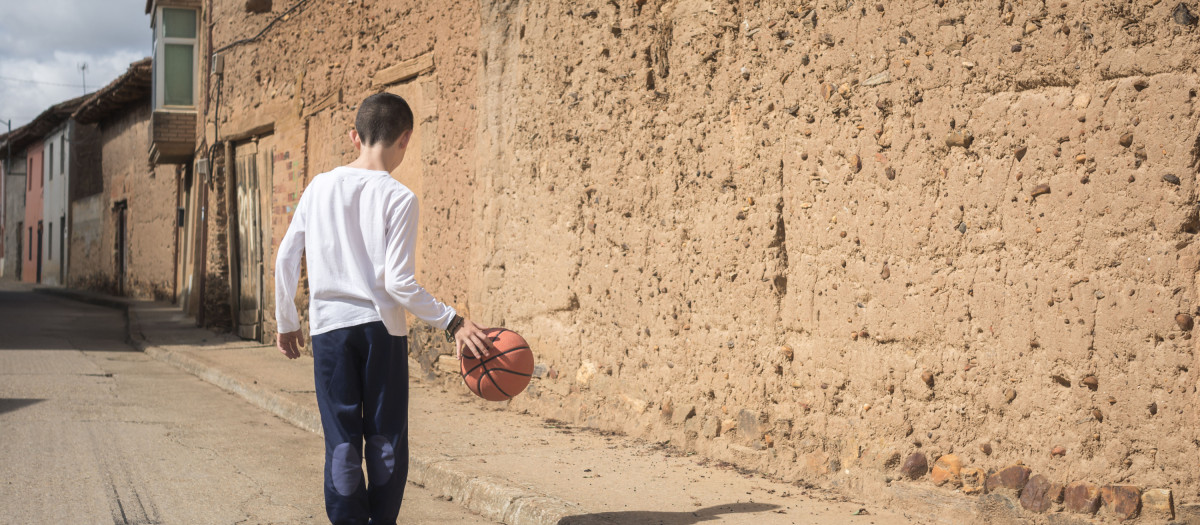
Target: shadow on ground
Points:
x,y
11,404
38,321
647,517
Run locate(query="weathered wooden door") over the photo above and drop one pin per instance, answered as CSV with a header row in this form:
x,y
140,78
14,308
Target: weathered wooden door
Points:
x,y
120,243
249,242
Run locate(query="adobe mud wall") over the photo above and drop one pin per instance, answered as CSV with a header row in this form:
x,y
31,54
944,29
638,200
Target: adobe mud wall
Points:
x,y
303,81
813,238
807,238
148,194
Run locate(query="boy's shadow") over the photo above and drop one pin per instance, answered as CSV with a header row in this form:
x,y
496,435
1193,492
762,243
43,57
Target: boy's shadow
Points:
x,y
665,518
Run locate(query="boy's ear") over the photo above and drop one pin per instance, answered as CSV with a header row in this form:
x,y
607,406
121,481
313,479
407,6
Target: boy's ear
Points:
x,y
356,140
404,137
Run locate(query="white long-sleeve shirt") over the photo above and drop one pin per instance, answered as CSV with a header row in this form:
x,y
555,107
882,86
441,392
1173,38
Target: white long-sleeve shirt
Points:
x,y
358,230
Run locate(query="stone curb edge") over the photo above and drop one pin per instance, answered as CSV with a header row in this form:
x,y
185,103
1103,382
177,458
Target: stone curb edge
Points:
x,y
489,497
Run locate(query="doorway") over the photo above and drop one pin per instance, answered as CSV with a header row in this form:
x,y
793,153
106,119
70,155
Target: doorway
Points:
x,y
39,253
119,210
20,248
62,250
249,279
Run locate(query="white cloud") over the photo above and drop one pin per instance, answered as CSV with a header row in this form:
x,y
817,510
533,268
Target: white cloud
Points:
x,y
46,41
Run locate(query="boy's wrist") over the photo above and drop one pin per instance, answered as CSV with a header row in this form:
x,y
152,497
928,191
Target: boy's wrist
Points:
x,y
453,327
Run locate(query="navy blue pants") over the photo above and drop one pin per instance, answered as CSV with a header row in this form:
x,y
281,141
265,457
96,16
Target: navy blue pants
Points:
x,y
362,393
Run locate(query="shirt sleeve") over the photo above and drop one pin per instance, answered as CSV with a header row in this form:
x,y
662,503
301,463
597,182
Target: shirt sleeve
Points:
x,y
400,273
287,273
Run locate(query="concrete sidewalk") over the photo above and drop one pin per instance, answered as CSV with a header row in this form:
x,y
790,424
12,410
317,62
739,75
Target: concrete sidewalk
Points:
x,y
513,468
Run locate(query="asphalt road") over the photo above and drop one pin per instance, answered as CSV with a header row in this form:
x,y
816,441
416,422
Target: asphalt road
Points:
x,y
95,432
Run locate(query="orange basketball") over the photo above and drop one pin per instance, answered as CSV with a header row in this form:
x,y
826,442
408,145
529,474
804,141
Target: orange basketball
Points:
x,y
501,375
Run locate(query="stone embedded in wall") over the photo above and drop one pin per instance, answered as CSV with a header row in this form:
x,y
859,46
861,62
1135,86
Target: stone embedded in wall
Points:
x,y
448,363
947,469
1184,321
1009,480
750,424
258,6
1183,16
1188,514
1121,501
877,79
1091,382
915,466
959,138
1081,497
1040,494
1157,504
586,372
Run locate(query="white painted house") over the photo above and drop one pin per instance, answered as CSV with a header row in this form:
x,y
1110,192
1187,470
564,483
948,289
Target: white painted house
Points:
x,y
56,174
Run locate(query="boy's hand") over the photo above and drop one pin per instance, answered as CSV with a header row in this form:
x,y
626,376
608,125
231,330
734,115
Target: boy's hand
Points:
x,y
470,336
289,344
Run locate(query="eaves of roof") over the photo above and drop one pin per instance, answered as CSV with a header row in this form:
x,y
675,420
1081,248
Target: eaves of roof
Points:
x,y
132,86
43,124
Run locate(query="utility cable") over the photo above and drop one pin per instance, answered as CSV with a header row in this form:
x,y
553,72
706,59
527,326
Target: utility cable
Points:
x,y
28,81
263,31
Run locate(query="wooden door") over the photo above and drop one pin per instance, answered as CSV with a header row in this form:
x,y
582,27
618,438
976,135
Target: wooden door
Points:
x,y
249,242
120,243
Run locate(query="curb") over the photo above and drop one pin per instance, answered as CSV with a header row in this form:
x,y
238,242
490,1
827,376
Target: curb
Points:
x,y
492,498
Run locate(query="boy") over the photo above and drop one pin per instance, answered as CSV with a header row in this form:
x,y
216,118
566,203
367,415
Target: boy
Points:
x,y
357,227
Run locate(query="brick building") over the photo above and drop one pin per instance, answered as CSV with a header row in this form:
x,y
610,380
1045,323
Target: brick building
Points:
x,y
125,233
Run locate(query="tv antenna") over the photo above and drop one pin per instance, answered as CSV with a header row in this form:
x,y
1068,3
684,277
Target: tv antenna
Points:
x,y
83,73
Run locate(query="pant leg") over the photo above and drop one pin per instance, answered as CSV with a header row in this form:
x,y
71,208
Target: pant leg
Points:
x,y
337,365
385,422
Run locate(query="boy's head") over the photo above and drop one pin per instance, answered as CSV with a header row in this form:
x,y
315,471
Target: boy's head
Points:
x,y
383,119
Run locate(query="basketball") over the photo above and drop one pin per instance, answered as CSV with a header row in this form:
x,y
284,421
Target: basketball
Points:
x,y
503,374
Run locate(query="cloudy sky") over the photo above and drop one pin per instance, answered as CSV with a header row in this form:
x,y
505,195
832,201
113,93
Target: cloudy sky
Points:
x,y
46,41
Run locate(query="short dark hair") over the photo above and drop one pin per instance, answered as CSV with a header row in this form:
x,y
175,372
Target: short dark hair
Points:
x,y
383,117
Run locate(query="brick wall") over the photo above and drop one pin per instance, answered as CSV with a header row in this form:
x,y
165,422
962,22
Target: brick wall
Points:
x,y
173,133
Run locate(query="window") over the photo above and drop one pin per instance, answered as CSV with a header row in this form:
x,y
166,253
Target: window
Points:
x,y
50,245
31,243
62,153
175,58
50,159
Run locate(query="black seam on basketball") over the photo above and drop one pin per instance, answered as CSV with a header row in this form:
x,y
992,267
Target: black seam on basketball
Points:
x,y
478,387
514,372
487,371
496,337
509,351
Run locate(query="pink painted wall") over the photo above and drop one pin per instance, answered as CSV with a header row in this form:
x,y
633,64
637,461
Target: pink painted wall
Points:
x,y
33,212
